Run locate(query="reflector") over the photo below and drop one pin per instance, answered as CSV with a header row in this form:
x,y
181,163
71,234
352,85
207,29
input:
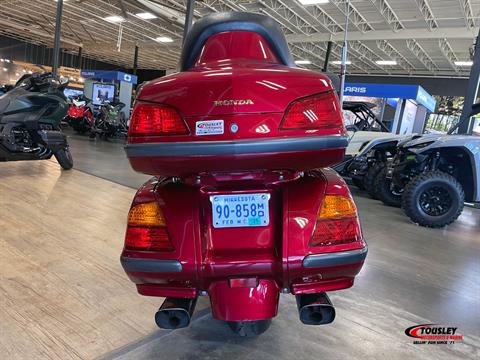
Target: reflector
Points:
x,y
337,222
147,239
337,206
314,112
149,120
147,214
336,232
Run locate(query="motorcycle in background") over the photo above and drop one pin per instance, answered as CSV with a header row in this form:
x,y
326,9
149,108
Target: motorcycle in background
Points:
x,y
80,115
30,117
111,121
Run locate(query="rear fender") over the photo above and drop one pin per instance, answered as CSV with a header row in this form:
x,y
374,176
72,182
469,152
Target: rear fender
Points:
x,y
304,201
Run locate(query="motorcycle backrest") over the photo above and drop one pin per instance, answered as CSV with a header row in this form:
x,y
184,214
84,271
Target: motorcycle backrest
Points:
x,y
218,23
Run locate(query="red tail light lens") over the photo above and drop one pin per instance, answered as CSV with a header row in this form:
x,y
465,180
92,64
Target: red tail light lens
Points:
x,y
148,120
336,232
147,239
146,229
337,222
315,112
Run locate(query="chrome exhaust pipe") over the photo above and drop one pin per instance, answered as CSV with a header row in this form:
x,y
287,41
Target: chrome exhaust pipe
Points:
x,y
315,309
175,313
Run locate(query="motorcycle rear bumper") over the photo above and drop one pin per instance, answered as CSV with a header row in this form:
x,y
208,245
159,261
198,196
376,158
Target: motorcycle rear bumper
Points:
x,y
186,158
340,258
243,147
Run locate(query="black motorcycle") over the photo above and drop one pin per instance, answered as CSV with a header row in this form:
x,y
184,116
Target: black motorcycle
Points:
x,y
30,117
111,121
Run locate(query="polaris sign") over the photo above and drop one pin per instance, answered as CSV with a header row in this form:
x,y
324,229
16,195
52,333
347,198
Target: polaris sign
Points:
x,y
395,91
356,90
108,75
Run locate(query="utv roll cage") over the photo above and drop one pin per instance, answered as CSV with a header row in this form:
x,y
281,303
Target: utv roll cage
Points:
x,y
365,119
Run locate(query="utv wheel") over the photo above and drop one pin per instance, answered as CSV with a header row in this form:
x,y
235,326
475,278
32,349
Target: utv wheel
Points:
x,y
384,191
434,199
64,158
249,328
369,179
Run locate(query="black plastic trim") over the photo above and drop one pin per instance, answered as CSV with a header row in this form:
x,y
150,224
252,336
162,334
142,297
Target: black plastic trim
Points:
x,y
150,265
335,258
199,148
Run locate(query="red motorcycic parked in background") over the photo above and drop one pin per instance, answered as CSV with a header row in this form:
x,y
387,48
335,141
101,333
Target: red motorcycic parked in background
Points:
x,y
80,116
243,207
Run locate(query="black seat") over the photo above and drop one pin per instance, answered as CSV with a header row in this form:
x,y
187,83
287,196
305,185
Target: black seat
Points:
x,y
234,21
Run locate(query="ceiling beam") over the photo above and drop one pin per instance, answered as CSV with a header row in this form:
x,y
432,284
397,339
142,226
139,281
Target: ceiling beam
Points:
x,y
449,54
355,17
405,34
466,7
388,14
394,54
421,55
427,14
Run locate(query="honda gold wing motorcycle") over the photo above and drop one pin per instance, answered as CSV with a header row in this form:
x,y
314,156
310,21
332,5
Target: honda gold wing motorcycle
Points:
x,y
242,206
30,116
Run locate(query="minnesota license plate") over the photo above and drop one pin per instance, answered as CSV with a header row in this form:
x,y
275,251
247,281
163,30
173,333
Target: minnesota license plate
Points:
x,y
240,210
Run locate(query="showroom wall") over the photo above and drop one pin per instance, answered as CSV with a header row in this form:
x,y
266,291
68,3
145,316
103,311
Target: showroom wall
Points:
x,y
40,54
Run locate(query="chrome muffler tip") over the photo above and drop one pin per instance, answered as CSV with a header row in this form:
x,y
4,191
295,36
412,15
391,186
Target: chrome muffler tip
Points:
x,y
175,313
315,309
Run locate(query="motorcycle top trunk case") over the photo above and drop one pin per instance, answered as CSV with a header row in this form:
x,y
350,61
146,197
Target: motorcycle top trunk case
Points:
x,y
233,102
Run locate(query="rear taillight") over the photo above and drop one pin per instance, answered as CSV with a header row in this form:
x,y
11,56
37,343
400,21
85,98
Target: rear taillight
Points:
x,y
151,120
337,222
146,230
314,112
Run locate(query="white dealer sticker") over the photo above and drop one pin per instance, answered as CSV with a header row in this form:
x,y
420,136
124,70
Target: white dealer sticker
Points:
x,y
210,127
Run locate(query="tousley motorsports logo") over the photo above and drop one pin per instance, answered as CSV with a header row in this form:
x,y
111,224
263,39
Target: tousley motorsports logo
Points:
x,y
434,334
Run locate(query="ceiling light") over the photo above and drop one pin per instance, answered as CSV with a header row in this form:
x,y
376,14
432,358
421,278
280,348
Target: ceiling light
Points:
x,y
338,62
5,69
146,16
114,18
303,62
164,39
7,61
313,2
463,63
386,62
17,74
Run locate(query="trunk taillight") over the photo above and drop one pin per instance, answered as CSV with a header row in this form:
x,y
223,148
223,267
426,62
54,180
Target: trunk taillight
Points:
x,y
151,120
337,222
314,112
147,230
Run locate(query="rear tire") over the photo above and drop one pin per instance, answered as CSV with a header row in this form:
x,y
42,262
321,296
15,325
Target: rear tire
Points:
x,y
383,189
433,199
64,158
249,328
369,179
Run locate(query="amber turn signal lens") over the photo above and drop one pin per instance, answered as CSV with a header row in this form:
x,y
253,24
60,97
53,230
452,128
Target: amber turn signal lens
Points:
x,y
336,207
146,215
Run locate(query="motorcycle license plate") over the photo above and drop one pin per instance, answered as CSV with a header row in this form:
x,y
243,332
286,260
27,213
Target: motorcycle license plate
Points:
x,y
240,210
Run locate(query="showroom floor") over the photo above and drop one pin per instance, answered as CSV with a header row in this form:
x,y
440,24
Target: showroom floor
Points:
x,y
63,294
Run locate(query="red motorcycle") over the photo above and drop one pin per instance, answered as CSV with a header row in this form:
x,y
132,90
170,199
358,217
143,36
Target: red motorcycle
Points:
x,y
80,115
244,207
